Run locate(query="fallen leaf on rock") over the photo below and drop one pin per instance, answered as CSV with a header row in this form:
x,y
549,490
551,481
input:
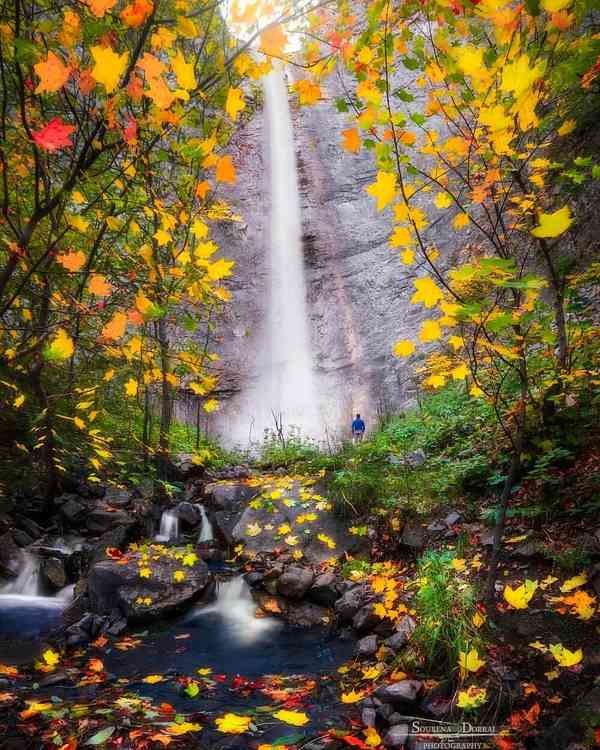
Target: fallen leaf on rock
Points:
x,y
233,724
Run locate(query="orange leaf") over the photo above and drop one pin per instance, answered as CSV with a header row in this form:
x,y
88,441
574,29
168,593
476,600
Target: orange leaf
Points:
x,y
351,140
202,189
99,7
72,261
53,74
115,327
95,665
99,286
273,41
225,171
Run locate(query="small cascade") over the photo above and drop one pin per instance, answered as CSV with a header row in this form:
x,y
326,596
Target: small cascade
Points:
x,y
206,530
237,610
169,527
27,582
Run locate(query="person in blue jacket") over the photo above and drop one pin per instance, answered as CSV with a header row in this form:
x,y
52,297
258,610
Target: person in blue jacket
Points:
x,y
358,429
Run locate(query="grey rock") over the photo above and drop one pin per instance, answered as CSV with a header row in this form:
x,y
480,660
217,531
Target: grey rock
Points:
x,y
254,578
399,692
116,538
404,630
22,538
72,511
452,518
295,582
365,619
30,527
225,496
117,497
53,572
384,711
349,603
313,549
414,458
396,736
188,513
111,584
324,590
436,527
414,536
366,647
10,556
397,718
54,678
306,614
526,550
100,520
368,717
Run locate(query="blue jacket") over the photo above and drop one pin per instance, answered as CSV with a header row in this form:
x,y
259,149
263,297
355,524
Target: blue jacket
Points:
x,y
358,425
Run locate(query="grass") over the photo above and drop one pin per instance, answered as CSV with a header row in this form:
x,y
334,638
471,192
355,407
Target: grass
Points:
x,y
445,607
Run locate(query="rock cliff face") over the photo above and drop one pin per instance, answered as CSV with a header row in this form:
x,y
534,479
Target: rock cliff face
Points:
x,y
358,291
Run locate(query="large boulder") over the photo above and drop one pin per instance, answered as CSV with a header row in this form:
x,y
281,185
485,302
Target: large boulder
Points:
x,y
405,691
100,520
147,584
226,495
350,602
53,573
324,590
295,582
72,510
297,519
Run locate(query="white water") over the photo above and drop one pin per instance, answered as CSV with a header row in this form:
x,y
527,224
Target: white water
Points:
x,y
284,386
206,530
27,583
234,604
169,527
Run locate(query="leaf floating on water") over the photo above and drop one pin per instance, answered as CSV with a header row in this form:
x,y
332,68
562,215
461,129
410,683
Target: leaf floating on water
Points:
x,y
100,737
295,718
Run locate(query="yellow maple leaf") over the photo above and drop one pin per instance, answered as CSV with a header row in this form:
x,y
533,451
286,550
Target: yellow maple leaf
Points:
x,y
235,103
291,540
131,387
428,292
51,657
152,679
99,286
61,346
33,708
520,597
190,559
553,6
233,724
404,348
179,576
383,189
573,583
253,529
430,331
183,728
372,738
352,696
554,224
108,67
564,657
99,7
472,697
210,405
470,662
443,200
294,718
184,72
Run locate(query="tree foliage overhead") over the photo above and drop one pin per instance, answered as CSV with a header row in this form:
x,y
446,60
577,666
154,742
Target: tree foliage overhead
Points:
x,y
115,119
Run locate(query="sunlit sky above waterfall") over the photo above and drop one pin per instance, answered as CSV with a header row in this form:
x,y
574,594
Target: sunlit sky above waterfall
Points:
x,y
246,19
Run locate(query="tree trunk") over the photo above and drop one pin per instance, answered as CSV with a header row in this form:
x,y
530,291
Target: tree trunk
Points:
x,y
166,407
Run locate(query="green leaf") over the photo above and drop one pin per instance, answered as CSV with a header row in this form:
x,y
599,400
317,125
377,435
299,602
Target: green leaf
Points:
x,y
499,323
289,739
25,52
341,105
100,737
411,63
418,118
192,690
404,95
533,7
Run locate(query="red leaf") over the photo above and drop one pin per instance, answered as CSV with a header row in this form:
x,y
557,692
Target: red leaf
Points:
x,y
130,132
354,742
54,135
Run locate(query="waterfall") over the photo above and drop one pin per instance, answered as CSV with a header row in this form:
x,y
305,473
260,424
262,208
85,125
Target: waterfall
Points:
x,y
283,384
27,582
169,527
206,529
237,610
